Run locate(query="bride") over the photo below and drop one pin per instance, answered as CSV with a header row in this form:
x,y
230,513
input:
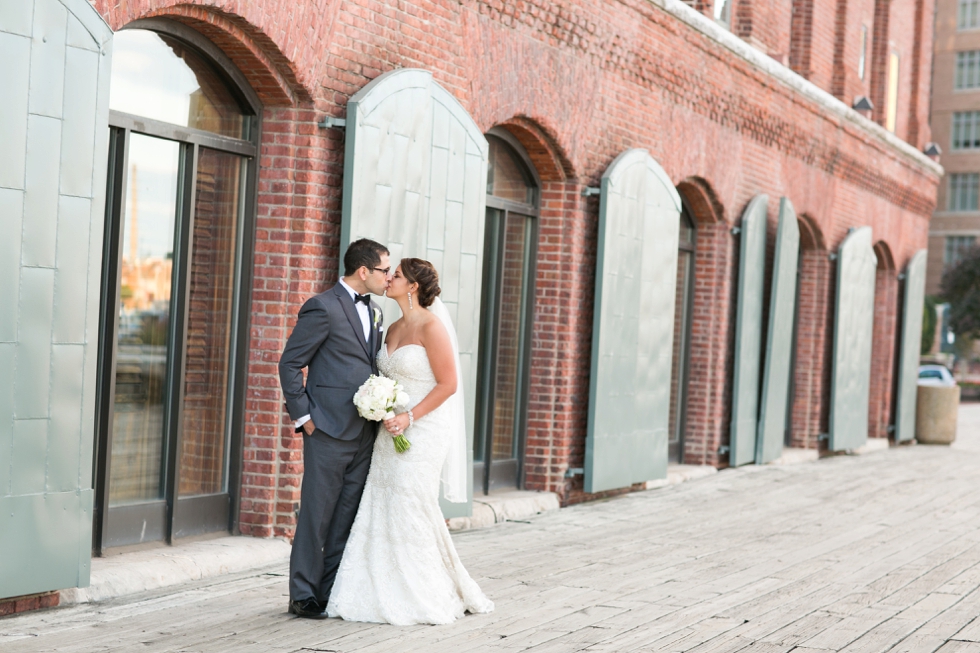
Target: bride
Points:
x,y
400,565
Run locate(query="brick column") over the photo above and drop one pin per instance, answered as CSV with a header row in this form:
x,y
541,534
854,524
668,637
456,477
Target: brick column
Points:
x,y
296,254
712,339
884,343
814,349
561,346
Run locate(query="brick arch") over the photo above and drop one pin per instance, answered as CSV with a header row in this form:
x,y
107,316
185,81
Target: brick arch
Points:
x,y
811,237
549,158
705,206
886,261
271,74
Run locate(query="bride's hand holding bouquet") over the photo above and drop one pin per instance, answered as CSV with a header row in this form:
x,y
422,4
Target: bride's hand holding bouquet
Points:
x,y
377,399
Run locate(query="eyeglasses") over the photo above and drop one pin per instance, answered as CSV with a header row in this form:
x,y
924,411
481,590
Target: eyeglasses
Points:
x,y
384,271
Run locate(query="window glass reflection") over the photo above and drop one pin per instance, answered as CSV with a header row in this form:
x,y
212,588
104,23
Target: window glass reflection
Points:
x,y
159,77
143,336
510,334
686,228
210,323
506,176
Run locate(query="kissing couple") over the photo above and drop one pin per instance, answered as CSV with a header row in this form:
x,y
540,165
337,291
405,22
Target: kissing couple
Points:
x,y
371,543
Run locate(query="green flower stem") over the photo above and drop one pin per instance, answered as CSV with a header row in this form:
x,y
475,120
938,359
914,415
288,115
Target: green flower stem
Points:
x,y
402,444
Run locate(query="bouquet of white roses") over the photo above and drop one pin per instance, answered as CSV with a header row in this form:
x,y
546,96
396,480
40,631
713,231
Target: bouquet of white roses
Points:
x,y
377,399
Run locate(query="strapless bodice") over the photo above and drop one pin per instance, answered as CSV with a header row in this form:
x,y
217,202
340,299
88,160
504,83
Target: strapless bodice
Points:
x,y
409,365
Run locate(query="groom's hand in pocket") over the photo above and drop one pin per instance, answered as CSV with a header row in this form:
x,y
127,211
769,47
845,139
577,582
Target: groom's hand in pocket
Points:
x,y
308,427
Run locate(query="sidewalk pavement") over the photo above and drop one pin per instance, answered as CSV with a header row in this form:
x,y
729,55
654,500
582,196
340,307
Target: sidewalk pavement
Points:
x,y
849,553
160,567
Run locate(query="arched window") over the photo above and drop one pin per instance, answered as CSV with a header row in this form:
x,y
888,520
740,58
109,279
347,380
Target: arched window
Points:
x,y
508,291
682,331
182,167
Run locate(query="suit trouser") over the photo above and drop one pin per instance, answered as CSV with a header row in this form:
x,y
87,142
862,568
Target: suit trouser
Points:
x,y
333,481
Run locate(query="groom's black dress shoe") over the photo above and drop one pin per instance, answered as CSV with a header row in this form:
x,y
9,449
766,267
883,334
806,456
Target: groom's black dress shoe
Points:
x,y
308,609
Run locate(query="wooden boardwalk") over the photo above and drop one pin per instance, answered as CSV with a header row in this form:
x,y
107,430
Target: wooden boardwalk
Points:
x,y
867,553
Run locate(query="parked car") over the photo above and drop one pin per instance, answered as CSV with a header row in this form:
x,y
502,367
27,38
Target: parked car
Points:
x,y
935,375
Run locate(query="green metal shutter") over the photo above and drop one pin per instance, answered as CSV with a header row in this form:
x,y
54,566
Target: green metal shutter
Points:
x,y
908,364
853,328
415,179
779,344
748,332
633,327
54,123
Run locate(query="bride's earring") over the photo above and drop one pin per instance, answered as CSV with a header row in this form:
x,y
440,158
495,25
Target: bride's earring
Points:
x,y
410,301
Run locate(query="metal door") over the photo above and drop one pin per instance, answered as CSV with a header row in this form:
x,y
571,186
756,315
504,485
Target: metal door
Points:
x,y
748,332
774,404
911,343
53,124
633,327
853,328
415,179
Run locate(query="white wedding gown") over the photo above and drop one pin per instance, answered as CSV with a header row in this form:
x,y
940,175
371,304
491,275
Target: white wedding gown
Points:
x,y
400,565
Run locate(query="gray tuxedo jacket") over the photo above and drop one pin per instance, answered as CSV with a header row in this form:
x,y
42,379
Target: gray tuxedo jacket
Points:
x,y
329,340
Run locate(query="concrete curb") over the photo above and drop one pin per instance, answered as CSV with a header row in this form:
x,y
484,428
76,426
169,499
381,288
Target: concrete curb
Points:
x,y
793,456
505,506
677,474
141,571
873,445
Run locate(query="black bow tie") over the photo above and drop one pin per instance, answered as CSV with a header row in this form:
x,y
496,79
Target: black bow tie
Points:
x,y
362,298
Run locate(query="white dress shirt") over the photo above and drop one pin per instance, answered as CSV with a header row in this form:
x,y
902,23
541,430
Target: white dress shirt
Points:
x,y
363,312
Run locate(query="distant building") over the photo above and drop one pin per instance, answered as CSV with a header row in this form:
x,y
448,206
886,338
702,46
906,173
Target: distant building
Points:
x,y
955,121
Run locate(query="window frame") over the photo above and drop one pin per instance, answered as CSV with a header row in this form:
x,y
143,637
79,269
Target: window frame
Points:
x,y
191,140
954,246
893,87
961,25
721,13
483,473
684,378
967,65
961,121
959,183
863,55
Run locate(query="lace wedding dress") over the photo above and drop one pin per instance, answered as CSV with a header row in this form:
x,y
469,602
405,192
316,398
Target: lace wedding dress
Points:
x,y
400,565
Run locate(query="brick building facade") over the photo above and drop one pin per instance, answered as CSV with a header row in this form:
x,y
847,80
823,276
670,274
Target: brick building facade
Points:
x,y
955,107
728,115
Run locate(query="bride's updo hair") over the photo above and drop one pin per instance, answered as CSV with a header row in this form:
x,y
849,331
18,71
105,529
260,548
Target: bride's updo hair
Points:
x,y
416,270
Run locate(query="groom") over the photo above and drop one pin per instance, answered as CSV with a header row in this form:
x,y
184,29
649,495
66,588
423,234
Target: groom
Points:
x,y
336,338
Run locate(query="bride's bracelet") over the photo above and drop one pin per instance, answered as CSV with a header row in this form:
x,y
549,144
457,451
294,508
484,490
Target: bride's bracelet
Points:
x,y
411,420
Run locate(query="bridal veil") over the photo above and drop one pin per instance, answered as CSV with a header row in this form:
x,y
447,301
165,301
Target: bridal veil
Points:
x,y
454,469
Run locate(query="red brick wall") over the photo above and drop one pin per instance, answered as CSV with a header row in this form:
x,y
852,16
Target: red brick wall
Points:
x,y
884,344
577,82
28,603
299,187
766,25
901,37
562,341
851,16
712,339
210,322
825,48
813,40
810,408
919,131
